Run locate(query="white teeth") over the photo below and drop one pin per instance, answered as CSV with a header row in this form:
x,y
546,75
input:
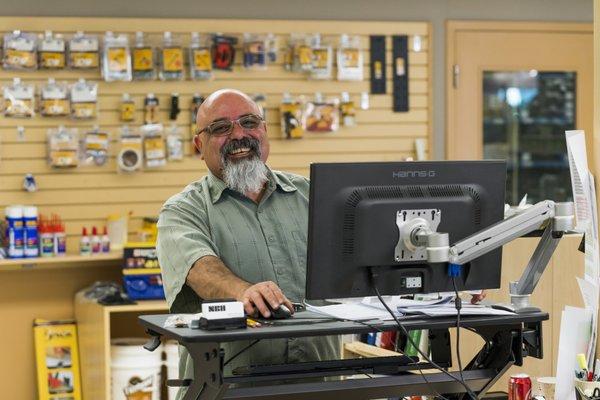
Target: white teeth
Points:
x,y
240,150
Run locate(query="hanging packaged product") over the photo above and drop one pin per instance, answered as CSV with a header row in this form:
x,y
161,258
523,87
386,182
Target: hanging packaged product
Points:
x,y
271,43
130,156
96,146
20,51
288,55
364,100
197,100
261,101
84,99
174,110
52,51
54,99
255,51
223,52
299,55
171,59
349,59
116,58
19,99
151,109
348,110
321,115
143,56
154,145
63,147
322,59
84,51
174,143
127,108
291,117
200,58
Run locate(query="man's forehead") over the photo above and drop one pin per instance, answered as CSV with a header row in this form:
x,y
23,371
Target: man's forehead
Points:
x,y
229,105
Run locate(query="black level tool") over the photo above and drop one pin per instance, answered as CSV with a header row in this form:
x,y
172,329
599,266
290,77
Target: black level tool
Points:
x,y
377,51
400,72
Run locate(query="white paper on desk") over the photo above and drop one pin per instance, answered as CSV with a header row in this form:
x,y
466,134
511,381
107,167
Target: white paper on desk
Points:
x,y
395,302
589,293
592,252
352,312
578,167
575,328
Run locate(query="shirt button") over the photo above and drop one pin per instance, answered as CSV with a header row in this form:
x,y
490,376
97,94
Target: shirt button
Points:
x,y
260,211
271,238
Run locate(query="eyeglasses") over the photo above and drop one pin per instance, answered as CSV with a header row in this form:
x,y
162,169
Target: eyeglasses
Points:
x,y
224,127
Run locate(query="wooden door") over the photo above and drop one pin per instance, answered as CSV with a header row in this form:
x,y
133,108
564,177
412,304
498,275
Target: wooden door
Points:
x,y
477,50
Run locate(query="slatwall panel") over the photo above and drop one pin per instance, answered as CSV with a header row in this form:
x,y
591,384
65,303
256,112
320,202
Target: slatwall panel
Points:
x,y
86,195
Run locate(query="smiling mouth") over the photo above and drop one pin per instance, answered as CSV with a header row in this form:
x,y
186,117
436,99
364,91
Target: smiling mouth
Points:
x,y
241,152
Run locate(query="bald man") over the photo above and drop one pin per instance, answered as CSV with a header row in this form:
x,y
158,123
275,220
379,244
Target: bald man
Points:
x,y
238,232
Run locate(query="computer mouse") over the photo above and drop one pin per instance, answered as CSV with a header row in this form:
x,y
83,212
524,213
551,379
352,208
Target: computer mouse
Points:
x,y
279,313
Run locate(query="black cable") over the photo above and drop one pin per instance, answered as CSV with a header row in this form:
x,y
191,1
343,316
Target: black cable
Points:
x,y
436,366
437,394
240,352
458,305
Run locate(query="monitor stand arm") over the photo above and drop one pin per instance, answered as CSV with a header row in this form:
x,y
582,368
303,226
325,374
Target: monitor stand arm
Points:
x,y
556,217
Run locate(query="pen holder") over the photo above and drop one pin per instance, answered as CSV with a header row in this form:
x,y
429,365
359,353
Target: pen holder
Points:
x,y
588,389
579,395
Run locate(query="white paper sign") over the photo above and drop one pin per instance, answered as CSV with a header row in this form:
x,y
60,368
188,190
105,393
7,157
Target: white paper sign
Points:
x,y
578,167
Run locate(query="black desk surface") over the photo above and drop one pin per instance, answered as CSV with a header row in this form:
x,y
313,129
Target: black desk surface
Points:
x,y
309,324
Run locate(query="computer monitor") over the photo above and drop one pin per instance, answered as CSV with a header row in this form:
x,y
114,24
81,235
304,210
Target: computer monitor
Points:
x,y
352,224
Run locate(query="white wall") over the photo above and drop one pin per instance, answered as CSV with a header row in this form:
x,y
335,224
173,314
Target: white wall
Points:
x,y
434,11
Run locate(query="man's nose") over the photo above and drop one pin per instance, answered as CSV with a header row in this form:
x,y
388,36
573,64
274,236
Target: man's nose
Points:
x,y
237,131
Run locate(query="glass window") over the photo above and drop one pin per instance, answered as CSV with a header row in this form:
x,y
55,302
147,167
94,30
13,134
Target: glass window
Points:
x,y
525,116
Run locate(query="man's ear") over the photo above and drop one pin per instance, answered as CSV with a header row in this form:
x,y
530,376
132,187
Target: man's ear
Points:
x,y
198,144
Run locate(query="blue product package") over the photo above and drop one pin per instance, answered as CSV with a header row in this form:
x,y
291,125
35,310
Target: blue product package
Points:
x,y
144,286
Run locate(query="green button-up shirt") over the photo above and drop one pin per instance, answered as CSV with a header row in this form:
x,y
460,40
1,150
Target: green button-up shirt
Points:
x,y
257,242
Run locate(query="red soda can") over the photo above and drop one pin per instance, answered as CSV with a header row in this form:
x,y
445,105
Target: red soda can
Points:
x,y
519,387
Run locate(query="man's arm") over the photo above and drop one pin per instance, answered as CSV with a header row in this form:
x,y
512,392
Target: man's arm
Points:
x,y
211,279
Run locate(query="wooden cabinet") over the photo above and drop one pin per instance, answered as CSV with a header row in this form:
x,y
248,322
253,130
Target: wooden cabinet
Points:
x,y
97,325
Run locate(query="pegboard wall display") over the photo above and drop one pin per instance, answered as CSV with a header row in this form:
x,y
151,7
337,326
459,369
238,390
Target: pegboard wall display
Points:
x,y
67,122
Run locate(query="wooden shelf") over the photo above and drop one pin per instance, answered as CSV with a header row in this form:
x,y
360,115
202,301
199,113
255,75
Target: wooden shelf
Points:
x,y
141,306
67,261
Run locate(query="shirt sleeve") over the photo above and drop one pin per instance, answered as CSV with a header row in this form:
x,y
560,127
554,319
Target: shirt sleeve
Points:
x,y
183,238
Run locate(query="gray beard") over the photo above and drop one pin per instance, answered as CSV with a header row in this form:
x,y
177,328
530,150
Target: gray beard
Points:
x,y
247,175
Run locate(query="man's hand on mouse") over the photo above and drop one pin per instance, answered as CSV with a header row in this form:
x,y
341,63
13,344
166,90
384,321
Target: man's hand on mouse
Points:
x,y
256,296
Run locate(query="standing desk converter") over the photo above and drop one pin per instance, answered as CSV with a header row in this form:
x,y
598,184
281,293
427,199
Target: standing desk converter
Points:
x,y
508,339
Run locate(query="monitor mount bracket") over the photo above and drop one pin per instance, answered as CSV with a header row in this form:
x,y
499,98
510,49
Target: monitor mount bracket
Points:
x,y
554,218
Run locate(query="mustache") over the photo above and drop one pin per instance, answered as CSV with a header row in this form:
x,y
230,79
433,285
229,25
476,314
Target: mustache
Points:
x,y
250,143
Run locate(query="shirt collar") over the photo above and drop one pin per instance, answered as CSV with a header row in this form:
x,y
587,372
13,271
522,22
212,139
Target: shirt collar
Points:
x,y
216,186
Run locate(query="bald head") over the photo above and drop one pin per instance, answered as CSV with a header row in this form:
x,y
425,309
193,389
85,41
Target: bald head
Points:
x,y
229,104
222,100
